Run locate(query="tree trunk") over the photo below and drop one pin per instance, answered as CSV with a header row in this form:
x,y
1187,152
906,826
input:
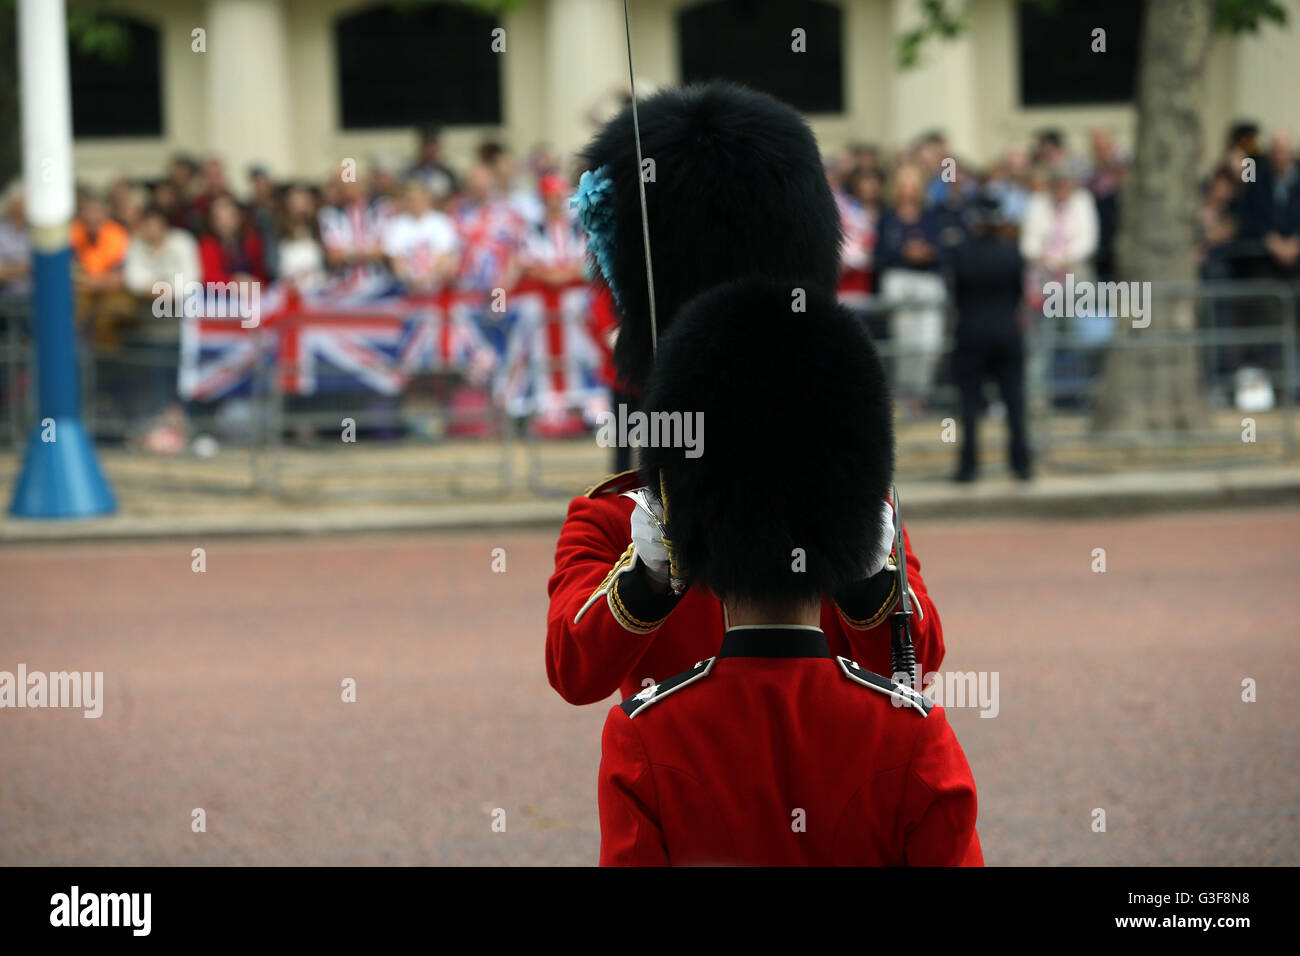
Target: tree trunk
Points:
x,y
1159,388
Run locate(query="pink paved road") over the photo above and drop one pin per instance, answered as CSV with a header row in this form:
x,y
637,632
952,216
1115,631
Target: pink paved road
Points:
x,y
1119,691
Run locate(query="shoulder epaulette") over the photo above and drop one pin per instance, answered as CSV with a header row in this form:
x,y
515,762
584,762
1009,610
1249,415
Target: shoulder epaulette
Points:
x,y
902,695
623,481
657,692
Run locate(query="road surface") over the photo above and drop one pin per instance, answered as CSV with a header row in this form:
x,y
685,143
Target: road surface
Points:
x,y
1118,691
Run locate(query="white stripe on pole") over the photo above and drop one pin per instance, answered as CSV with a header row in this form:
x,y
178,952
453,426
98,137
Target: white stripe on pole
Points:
x,y
46,111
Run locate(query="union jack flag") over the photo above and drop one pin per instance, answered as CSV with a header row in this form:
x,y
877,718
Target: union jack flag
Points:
x,y
552,364
336,343
219,357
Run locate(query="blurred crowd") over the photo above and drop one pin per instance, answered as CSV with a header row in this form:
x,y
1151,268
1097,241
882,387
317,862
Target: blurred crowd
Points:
x,y
418,226
386,225
925,230
904,210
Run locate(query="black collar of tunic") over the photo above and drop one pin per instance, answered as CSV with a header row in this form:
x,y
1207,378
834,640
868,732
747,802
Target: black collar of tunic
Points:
x,y
776,641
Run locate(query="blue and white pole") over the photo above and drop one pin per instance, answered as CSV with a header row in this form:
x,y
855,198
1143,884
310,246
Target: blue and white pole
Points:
x,y
61,477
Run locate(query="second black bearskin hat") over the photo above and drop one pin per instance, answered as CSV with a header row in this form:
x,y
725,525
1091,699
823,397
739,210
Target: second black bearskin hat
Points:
x,y
798,442
739,189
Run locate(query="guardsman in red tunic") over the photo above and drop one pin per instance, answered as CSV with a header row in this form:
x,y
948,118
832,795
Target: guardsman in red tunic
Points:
x,y
772,749
738,189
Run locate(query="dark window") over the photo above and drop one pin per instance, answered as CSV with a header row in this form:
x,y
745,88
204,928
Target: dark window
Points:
x,y
750,41
117,92
398,67
1057,65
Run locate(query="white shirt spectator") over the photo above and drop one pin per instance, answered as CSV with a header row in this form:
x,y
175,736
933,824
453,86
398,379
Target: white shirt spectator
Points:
x,y
1061,237
420,241
407,235
176,256
301,260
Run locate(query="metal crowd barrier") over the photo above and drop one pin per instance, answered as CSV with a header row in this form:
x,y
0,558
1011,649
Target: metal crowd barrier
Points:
x,y
290,447
1228,335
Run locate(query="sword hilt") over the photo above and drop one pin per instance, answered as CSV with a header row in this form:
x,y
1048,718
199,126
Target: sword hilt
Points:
x,y
902,654
675,579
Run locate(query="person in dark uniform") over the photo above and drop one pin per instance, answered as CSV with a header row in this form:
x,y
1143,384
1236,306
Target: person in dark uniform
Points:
x,y
986,271
774,751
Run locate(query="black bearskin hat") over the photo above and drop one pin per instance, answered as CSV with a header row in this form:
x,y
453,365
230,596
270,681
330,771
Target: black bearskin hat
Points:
x,y
797,447
739,189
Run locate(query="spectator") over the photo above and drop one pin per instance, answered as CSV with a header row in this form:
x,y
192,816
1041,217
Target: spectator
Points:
x,y
183,179
301,259
520,191
436,175
212,187
1282,238
1058,239
1049,148
860,213
262,214
837,174
387,188
351,235
126,202
555,249
1242,144
1059,232
230,249
1105,180
950,204
987,282
166,198
183,174
542,160
99,246
1009,185
866,156
159,252
15,246
1216,230
908,256
1216,225
491,231
420,242
928,155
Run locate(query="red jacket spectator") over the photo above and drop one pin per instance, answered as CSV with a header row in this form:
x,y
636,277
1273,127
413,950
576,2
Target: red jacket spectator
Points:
x,y
230,248
223,262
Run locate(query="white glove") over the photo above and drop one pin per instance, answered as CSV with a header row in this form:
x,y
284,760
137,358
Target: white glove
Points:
x,y
885,541
647,533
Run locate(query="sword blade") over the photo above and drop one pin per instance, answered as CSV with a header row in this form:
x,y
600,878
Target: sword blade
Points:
x,y
900,558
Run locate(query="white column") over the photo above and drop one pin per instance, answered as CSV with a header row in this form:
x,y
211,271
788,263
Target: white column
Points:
x,y
937,93
586,57
46,108
249,86
1268,75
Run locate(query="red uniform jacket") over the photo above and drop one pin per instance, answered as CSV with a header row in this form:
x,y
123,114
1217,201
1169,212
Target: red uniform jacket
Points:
x,y
607,631
776,753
